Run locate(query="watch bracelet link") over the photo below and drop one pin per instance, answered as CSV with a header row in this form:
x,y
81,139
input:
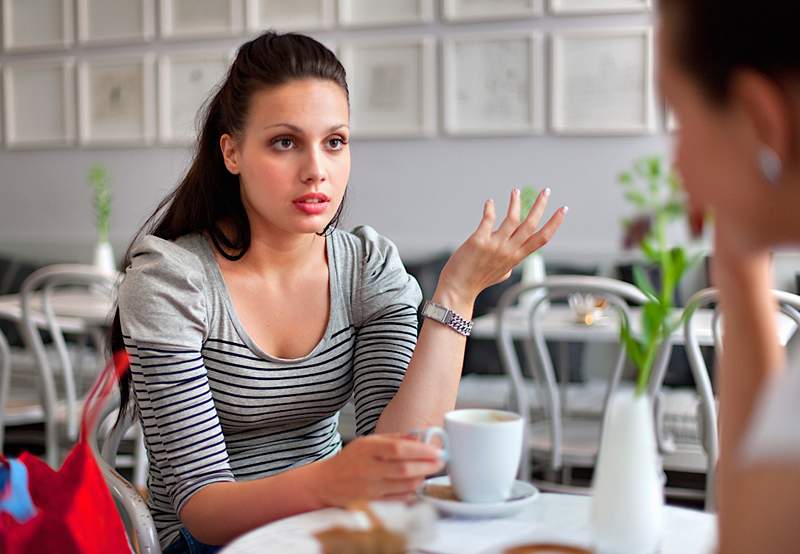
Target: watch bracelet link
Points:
x,y
447,317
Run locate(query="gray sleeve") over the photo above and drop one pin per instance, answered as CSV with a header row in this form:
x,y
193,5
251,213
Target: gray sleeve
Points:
x,y
163,315
387,299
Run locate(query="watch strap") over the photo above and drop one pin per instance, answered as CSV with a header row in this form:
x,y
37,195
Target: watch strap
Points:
x,y
447,317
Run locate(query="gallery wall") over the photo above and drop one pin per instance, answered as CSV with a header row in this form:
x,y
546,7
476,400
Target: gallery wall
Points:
x,y
430,143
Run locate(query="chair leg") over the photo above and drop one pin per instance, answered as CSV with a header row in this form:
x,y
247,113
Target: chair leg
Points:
x,y
140,464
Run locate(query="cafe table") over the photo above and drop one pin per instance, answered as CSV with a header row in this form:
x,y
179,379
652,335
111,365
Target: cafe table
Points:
x,y
553,518
77,311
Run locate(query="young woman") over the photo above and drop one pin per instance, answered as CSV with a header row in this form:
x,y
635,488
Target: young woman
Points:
x,y
250,319
731,74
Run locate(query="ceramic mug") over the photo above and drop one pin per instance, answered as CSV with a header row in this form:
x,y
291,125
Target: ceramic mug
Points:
x,y
483,450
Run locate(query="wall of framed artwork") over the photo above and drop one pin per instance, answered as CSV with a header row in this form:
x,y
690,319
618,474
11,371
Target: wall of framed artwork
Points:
x,y
115,21
385,12
39,103
290,14
116,101
602,81
392,87
39,25
475,10
494,84
186,80
200,18
572,7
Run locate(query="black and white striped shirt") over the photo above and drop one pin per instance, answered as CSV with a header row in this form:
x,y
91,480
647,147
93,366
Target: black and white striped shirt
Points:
x,y
214,406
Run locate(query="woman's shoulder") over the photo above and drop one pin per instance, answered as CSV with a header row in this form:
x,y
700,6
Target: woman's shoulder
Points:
x,y
164,265
365,245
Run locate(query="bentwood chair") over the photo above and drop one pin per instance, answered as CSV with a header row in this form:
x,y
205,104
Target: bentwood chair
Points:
x,y
104,440
556,439
41,315
788,304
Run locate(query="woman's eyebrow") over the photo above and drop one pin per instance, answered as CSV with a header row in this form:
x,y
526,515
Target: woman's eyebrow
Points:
x,y
297,129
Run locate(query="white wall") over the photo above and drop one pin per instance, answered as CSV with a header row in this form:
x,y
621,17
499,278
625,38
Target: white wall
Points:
x,y
425,194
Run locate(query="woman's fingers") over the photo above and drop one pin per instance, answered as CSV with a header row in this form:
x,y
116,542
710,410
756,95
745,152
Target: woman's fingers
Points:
x,y
395,449
511,222
543,236
486,225
528,227
401,471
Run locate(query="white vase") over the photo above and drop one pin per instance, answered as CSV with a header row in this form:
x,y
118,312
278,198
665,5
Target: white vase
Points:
x,y
628,493
104,258
532,272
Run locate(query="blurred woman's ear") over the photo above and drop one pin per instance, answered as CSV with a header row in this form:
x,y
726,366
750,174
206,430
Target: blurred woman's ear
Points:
x,y
769,117
230,153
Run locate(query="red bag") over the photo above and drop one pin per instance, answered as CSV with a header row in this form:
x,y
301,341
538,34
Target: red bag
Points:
x,y
75,511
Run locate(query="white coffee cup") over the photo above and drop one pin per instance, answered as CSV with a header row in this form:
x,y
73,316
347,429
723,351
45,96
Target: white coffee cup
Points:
x,y
483,449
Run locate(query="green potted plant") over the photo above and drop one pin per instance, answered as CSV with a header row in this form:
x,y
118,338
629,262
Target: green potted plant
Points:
x,y
533,270
100,182
628,493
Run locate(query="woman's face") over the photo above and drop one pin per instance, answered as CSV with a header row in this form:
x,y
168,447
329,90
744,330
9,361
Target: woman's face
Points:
x,y
293,156
716,149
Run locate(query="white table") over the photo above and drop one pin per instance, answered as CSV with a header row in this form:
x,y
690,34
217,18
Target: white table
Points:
x,y
76,311
552,518
558,323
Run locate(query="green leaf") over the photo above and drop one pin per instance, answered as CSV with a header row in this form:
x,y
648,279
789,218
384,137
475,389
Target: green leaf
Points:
x,y
649,251
636,198
625,178
652,318
632,347
644,283
527,198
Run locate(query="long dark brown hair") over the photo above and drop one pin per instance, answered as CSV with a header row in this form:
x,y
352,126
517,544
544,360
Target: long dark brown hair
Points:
x,y
714,38
208,199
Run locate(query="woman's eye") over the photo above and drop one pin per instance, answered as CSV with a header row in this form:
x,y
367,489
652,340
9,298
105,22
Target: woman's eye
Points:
x,y
336,143
283,143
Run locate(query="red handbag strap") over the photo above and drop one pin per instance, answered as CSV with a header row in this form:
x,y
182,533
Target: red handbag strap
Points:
x,y
115,369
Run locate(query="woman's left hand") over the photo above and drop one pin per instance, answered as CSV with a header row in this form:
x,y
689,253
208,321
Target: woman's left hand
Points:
x,y
488,256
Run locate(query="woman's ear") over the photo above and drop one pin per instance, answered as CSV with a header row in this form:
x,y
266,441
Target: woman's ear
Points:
x,y
230,153
767,111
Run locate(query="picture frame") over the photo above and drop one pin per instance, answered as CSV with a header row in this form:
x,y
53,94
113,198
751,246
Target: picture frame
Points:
x,y
116,101
392,87
486,10
200,18
384,12
39,103
602,82
115,21
575,7
494,84
41,25
307,15
191,77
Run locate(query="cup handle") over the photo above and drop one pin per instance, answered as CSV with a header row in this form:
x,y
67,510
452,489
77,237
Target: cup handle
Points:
x,y
430,433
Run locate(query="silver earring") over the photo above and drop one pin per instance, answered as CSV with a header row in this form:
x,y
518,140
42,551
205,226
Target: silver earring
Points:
x,y
770,164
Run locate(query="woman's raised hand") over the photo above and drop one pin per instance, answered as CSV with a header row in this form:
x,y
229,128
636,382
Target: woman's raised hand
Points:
x,y
375,467
488,256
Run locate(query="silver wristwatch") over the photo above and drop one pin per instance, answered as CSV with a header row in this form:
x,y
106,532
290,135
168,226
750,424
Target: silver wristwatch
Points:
x,y
448,317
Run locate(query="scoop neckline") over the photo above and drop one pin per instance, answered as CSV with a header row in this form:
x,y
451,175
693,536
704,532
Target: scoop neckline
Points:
x,y
237,324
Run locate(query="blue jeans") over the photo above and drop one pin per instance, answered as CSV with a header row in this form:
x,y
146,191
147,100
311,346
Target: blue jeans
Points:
x,y
187,544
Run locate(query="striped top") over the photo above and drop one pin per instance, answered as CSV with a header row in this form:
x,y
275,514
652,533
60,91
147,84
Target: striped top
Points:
x,y
214,406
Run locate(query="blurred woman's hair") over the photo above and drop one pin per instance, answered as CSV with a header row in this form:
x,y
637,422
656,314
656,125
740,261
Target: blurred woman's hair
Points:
x,y
714,38
208,199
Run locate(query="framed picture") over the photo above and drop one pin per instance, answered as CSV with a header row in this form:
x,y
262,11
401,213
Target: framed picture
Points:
x,y
599,6
39,25
199,18
39,103
289,14
109,21
602,82
385,12
494,84
186,81
470,10
392,87
116,104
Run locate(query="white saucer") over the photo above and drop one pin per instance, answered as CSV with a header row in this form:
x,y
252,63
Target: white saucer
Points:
x,y
522,494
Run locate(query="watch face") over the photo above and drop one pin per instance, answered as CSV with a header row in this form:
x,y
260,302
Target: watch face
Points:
x,y
436,312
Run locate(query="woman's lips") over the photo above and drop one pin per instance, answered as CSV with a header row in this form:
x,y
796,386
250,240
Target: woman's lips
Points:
x,y
311,207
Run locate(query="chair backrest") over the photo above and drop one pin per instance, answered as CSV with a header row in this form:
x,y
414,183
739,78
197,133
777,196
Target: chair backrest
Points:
x,y
5,382
38,312
137,518
537,358
788,304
